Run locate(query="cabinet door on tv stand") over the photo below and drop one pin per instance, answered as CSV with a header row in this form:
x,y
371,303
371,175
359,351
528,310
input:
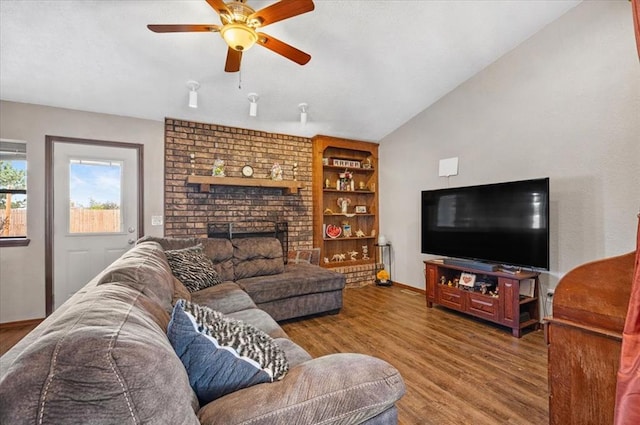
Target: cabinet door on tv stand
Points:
x,y
431,275
509,293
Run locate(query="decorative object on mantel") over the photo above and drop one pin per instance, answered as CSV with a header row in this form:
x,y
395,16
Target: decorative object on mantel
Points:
x,y
344,203
218,168
353,255
360,233
365,252
247,171
276,172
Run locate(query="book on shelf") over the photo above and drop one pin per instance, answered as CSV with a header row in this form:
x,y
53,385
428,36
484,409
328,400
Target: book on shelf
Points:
x,y
527,287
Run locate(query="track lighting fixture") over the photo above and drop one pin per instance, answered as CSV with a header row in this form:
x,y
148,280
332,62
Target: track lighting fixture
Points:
x,y
253,104
303,113
193,93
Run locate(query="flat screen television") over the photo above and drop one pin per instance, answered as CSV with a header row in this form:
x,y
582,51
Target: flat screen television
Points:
x,y
502,223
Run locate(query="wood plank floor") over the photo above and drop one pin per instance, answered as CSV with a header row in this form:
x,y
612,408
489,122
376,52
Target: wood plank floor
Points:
x,y
11,335
457,370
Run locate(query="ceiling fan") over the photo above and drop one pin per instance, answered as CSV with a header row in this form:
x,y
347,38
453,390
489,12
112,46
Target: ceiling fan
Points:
x,y
239,28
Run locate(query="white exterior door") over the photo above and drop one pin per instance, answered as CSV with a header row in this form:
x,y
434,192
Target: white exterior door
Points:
x,y
95,210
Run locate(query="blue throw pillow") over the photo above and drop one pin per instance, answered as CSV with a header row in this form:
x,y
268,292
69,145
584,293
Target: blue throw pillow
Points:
x,y
204,340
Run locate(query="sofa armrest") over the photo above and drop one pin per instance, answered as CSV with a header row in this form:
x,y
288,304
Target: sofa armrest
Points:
x,y
333,389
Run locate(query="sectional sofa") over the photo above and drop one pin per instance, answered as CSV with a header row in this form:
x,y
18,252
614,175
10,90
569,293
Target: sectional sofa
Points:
x,y
104,356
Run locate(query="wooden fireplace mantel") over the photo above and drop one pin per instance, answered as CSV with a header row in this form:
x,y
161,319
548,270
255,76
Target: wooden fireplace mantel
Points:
x,y
205,182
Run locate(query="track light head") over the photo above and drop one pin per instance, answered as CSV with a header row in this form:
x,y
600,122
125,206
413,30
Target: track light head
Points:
x,y
253,104
303,113
193,93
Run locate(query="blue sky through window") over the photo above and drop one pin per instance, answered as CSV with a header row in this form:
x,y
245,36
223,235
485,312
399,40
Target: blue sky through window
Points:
x,y
97,180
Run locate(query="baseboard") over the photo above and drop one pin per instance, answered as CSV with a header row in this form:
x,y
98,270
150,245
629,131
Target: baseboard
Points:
x,y
21,323
410,288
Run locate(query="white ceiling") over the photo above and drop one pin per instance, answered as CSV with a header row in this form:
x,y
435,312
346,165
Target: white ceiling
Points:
x,y
375,64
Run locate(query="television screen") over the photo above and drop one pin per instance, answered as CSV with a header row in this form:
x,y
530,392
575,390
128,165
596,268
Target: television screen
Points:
x,y
502,223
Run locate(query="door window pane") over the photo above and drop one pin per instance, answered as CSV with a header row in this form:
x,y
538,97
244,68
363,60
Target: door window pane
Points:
x,y
13,189
95,196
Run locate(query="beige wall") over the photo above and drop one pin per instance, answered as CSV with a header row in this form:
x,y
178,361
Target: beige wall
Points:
x,y
564,104
22,268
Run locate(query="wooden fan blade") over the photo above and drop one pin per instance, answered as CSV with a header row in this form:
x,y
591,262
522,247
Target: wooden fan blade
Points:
x,y
281,10
219,6
233,60
282,48
184,28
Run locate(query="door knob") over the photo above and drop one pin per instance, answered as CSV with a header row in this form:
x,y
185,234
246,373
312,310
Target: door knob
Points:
x,y
131,241
131,229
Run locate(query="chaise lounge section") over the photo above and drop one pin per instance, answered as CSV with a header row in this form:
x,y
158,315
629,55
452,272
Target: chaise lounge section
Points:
x,y
257,266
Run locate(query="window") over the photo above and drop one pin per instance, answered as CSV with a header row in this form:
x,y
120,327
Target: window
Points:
x,y
95,191
13,193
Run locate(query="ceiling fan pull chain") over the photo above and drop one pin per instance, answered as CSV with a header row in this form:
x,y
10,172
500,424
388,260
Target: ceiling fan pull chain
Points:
x,y
239,80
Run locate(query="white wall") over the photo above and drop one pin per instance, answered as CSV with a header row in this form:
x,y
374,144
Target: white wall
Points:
x,y
22,274
564,104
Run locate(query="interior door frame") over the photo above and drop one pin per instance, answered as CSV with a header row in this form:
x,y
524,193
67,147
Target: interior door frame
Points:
x,y
48,200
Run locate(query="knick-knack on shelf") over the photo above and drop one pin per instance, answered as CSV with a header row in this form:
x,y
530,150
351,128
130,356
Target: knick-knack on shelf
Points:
x,y
276,172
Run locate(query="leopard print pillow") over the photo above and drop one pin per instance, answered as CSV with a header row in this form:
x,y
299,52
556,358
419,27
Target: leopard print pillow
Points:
x,y
193,268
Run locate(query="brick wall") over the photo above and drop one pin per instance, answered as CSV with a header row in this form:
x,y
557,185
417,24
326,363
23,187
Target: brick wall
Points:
x,y
187,211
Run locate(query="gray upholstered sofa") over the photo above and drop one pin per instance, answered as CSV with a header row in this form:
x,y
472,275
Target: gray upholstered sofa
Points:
x,y
103,357
257,266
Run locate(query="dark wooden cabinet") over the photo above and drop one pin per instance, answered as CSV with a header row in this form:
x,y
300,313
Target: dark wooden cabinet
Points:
x,y
584,339
506,306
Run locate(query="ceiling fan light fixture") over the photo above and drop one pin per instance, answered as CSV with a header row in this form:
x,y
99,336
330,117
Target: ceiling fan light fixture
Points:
x,y
253,104
193,93
239,37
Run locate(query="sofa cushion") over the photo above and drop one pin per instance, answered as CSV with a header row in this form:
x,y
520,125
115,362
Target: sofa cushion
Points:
x,y
180,291
219,251
143,267
193,268
222,355
257,256
225,298
260,319
333,389
105,359
297,280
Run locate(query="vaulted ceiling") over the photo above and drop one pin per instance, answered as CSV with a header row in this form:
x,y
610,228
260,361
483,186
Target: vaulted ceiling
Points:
x,y
375,64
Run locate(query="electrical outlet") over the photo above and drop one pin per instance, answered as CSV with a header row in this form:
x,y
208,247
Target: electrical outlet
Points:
x,y
550,292
156,220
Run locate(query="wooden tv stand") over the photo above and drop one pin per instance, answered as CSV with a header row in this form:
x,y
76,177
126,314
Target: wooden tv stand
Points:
x,y
506,308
